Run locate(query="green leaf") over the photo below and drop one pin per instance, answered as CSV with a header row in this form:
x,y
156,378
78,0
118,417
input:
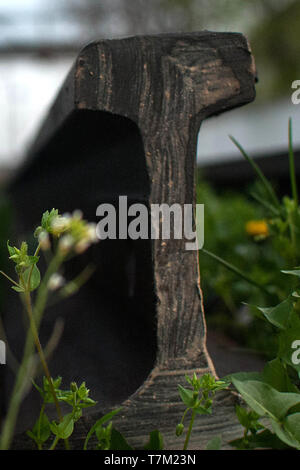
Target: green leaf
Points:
x,y
288,431
280,315
265,440
118,441
292,426
201,410
248,419
48,218
33,437
265,400
243,376
33,259
83,391
187,396
286,352
99,423
155,441
275,374
215,443
293,272
18,289
41,430
11,250
87,402
35,277
64,429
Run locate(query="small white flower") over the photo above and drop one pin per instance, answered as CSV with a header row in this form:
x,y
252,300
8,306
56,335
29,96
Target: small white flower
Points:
x,y
56,281
66,243
77,214
60,224
92,233
44,240
81,246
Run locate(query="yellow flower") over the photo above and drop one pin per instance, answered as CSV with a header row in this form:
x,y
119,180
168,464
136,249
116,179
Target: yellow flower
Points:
x,y
257,227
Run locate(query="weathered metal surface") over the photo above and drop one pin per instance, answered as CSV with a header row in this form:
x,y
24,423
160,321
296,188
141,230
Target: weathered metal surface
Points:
x,y
126,122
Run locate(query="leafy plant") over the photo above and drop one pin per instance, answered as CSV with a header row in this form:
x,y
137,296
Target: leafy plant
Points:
x,y
76,397
274,393
59,237
251,250
198,400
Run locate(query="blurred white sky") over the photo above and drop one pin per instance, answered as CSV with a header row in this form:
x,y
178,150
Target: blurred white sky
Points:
x,y
260,129
28,84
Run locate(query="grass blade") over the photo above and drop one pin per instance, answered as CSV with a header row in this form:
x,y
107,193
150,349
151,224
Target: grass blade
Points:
x,y
235,271
265,204
259,173
292,165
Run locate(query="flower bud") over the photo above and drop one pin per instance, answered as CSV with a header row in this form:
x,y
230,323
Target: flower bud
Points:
x,y
179,429
66,244
73,387
55,282
60,224
44,240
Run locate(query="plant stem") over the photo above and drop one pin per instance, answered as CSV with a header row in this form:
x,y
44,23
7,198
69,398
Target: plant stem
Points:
x,y
54,443
268,187
188,434
40,446
235,270
292,166
31,269
26,367
39,346
9,278
21,382
41,352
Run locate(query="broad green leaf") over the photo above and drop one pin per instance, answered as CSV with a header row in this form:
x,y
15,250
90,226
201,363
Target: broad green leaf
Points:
x,y
275,374
98,423
280,315
41,430
187,396
286,352
288,431
265,400
292,426
118,441
215,443
244,376
155,441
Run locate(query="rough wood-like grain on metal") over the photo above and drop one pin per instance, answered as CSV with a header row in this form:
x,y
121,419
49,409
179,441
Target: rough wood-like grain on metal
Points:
x,y
164,86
